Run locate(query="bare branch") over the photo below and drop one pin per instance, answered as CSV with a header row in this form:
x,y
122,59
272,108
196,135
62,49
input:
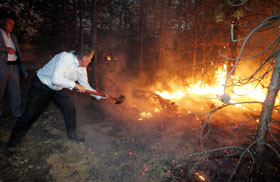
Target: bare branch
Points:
x,y
276,41
277,153
240,158
246,122
271,134
215,150
231,2
264,23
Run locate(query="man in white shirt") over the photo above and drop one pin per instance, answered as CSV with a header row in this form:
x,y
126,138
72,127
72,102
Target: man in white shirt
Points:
x,y
64,70
11,66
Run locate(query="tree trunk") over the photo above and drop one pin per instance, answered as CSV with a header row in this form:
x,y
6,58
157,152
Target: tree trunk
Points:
x,y
81,23
264,120
161,32
141,31
75,23
93,42
195,54
66,30
125,18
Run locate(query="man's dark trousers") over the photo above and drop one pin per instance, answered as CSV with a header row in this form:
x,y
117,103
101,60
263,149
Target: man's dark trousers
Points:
x,y
10,83
38,98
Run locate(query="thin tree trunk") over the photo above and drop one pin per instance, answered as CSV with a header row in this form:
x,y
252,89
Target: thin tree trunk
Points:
x,y
75,23
161,29
81,23
203,62
125,18
264,120
66,30
121,15
195,54
141,30
93,42
57,20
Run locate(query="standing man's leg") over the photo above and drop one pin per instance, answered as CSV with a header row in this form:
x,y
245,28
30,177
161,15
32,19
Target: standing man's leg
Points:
x,y
13,88
38,99
3,83
68,109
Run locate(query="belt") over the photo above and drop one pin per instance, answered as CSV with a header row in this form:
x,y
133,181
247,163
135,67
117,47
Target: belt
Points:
x,y
12,62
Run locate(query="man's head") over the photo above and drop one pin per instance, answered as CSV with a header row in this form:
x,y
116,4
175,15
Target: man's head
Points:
x,y
7,23
84,54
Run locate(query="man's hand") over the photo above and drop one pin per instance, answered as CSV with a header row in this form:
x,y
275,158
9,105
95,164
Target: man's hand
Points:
x,y
26,75
80,88
106,97
10,50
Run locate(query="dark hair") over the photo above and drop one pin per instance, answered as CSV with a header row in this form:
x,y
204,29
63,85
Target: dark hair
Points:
x,y
5,15
83,50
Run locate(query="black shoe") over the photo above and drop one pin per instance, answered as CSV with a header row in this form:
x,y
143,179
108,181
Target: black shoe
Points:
x,y
76,138
9,152
16,117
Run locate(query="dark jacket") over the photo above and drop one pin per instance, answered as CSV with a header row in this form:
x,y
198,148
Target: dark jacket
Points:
x,y
4,56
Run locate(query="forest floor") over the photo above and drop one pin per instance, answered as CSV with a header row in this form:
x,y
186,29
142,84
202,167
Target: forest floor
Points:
x,y
122,149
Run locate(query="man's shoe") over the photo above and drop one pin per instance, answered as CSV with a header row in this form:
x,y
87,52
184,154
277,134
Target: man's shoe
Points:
x,y
16,117
9,152
76,138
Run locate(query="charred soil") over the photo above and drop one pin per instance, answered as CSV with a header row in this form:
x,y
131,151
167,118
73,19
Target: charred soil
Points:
x,y
120,148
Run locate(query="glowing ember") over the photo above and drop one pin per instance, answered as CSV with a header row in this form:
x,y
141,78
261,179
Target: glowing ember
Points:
x,y
145,115
156,110
200,177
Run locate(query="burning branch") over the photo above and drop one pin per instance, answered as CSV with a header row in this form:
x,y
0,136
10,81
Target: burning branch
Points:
x,y
268,105
264,23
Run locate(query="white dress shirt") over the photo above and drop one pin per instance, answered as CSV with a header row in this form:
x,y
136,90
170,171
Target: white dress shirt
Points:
x,y
9,43
62,71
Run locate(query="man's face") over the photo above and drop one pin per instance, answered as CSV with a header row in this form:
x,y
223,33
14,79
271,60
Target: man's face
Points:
x,y
8,25
86,60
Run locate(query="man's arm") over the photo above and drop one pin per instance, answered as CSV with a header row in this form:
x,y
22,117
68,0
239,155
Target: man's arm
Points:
x,y
83,80
61,68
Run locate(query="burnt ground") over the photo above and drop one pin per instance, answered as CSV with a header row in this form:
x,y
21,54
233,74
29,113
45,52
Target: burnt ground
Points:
x,y
121,148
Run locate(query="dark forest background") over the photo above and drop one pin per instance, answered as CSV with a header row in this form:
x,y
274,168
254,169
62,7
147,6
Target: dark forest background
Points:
x,y
175,36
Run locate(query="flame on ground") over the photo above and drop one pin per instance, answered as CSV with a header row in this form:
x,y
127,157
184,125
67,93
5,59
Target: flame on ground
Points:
x,y
184,97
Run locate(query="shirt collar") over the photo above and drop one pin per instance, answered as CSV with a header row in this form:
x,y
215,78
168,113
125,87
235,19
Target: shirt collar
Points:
x,y
4,33
75,60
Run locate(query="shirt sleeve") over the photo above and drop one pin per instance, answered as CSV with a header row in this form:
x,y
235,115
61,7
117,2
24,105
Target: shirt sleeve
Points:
x,y
83,80
62,65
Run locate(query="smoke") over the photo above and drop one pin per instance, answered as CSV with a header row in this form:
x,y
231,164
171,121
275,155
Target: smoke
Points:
x,y
115,133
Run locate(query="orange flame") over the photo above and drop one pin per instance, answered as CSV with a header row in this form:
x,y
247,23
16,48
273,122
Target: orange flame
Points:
x,y
183,96
249,91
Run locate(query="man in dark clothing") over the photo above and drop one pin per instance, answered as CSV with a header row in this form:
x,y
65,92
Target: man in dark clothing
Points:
x,y
11,66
